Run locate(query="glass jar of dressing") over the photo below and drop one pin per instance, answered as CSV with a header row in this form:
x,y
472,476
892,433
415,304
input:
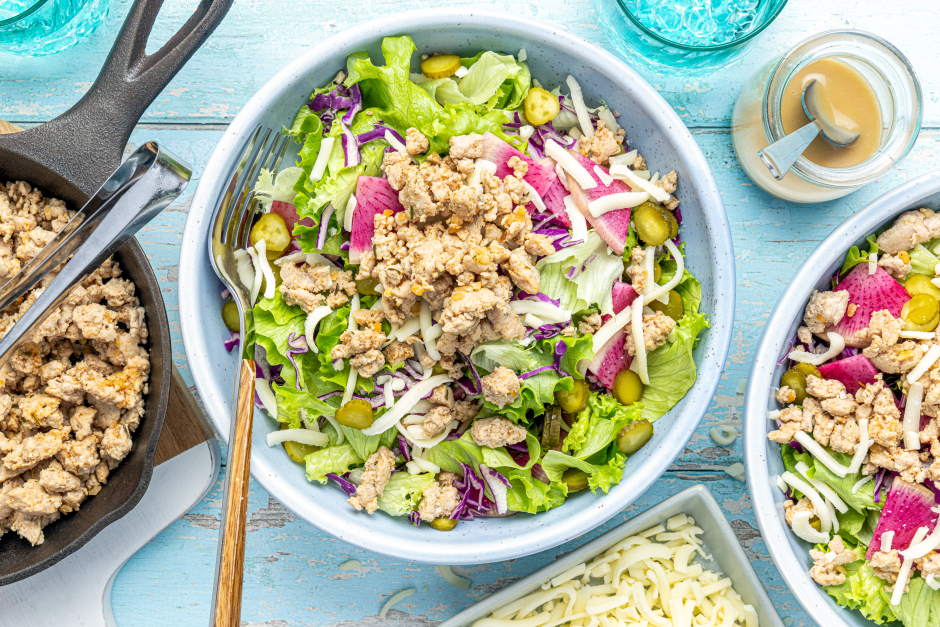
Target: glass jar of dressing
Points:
x,y
870,84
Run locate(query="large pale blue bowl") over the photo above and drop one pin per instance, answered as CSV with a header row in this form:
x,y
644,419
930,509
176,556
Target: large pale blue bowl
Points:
x,y
761,456
651,126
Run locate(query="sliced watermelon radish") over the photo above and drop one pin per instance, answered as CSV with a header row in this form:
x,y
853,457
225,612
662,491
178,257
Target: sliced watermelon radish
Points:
x,y
554,197
907,508
373,195
613,225
613,357
499,152
869,293
853,372
289,213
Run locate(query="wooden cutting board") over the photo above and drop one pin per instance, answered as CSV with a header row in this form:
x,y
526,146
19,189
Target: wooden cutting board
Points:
x,y
187,462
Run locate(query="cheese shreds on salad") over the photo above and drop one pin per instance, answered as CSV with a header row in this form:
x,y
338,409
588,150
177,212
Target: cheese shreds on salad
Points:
x,y
437,302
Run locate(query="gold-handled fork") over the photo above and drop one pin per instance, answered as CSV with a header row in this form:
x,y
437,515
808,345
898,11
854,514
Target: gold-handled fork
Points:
x,y
230,228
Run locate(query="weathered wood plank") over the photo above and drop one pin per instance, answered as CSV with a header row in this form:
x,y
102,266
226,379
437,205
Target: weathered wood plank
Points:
x,y
258,38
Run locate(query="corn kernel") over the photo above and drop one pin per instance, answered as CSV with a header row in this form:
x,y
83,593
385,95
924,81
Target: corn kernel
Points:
x,y
851,310
388,213
388,292
904,257
418,290
457,297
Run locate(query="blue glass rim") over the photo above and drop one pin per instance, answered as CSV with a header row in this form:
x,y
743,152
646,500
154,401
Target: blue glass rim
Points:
x,y
16,18
712,48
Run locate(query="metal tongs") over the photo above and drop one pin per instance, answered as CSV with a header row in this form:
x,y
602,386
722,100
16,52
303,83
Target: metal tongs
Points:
x,y
145,184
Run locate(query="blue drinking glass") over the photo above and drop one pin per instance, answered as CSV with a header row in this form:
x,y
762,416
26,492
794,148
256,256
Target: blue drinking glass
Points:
x,y
651,48
35,28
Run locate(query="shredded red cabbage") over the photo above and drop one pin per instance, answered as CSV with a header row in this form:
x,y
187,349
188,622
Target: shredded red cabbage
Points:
x,y
325,218
350,147
232,341
473,370
539,296
879,480
355,94
414,518
473,499
405,449
532,373
539,474
344,245
797,446
678,215
378,132
375,401
345,485
226,294
323,397
560,349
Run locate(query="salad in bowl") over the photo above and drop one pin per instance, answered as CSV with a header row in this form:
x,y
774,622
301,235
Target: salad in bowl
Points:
x,y
470,295
858,426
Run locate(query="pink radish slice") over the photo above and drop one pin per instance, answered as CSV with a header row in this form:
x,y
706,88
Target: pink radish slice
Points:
x,y
908,506
869,293
499,152
613,225
373,195
289,213
853,372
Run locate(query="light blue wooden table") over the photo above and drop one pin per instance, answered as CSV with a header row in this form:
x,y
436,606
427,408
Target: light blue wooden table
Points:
x,y
291,575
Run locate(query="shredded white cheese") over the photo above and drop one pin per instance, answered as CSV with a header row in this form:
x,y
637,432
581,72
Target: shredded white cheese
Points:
x,y
323,157
819,505
613,202
836,346
626,158
394,143
522,56
569,164
310,325
911,424
624,173
426,323
453,578
478,166
405,404
303,436
872,263
460,73
917,335
901,583
823,489
861,449
820,453
933,354
533,196
579,231
639,342
887,539
936,281
256,281
348,216
404,594
574,133
805,531
267,397
269,282
920,549
674,281
858,485
546,311
602,174
608,118
610,328
638,582
930,581
580,109
353,373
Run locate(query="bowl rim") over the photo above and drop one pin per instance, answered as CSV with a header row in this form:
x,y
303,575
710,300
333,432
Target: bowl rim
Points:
x,y
663,117
776,333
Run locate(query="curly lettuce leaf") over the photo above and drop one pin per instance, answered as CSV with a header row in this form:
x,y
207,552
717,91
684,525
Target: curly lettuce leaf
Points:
x,y
500,457
592,286
598,425
862,500
449,454
274,321
403,493
530,495
862,590
855,256
923,261
608,475
507,353
291,400
539,390
920,607
365,445
671,368
334,459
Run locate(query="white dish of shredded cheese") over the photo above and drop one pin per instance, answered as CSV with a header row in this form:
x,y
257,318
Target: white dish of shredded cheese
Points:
x,y
678,564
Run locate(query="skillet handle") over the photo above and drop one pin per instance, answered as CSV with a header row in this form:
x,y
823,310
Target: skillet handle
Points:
x,y
86,143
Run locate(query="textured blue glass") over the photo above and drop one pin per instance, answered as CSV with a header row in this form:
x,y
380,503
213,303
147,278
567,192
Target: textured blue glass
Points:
x,y
40,27
684,36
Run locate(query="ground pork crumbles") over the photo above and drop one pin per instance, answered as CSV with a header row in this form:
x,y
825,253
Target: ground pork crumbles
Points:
x,y
71,397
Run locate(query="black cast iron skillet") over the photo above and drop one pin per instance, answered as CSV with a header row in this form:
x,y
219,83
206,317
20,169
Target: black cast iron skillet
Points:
x,y
69,158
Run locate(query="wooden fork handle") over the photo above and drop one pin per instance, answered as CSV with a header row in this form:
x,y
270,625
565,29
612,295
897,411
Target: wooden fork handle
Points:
x,y
231,556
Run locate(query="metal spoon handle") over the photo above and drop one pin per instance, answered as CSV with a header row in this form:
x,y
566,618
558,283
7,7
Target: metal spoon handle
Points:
x,y
780,156
100,236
